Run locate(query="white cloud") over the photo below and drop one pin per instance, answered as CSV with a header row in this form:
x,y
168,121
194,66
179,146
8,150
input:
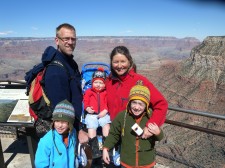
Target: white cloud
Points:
x,y
6,33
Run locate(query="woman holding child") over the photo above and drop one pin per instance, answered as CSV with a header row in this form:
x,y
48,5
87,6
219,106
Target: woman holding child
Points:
x,y
122,78
118,85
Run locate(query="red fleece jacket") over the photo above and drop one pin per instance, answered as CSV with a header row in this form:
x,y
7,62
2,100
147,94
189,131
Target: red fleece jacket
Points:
x,y
118,92
96,100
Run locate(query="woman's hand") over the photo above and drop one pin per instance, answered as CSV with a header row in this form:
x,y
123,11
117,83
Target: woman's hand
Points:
x,y
153,128
146,134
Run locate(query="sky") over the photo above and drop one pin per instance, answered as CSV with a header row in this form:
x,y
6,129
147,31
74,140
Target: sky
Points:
x,y
177,18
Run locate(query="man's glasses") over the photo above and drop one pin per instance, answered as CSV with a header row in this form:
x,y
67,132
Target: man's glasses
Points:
x,y
67,39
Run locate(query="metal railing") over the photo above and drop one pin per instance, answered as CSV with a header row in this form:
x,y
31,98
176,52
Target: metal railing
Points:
x,y
179,159
201,113
13,82
193,127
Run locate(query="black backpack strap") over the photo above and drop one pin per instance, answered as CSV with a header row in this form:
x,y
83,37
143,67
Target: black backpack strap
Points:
x,y
54,63
60,64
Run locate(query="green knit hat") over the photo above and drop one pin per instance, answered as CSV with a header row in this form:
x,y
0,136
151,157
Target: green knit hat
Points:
x,y
64,111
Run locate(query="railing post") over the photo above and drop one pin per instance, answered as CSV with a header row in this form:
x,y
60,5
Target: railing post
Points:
x,y
2,161
32,144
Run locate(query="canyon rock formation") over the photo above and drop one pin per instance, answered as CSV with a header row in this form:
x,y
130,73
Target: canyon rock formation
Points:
x,y
197,83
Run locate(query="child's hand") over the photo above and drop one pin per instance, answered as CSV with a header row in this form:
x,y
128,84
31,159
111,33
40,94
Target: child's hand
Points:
x,y
90,110
102,113
153,128
105,156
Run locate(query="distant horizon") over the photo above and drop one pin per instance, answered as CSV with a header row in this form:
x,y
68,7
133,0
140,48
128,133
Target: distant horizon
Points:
x,y
176,18
111,36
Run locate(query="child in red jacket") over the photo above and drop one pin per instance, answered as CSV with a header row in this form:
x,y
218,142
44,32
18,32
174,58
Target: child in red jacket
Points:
x,y
95,103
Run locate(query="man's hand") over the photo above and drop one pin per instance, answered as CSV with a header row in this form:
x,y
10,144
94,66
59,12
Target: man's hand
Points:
x,y
83,136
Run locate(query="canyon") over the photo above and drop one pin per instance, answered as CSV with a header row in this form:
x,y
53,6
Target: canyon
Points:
x,y
189,73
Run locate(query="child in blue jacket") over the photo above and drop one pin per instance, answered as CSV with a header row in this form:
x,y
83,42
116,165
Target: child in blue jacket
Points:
x,y
57,147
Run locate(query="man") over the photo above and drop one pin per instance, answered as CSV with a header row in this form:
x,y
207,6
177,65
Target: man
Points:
x,y
63,84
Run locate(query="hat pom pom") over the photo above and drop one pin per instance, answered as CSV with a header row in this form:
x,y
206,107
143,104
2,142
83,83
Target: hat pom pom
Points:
x,y
100,69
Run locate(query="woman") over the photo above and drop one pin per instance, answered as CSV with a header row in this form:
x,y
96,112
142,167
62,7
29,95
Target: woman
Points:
x,y
122,78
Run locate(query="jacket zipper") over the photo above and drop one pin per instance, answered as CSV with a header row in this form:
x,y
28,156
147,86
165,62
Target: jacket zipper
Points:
x,y
98,98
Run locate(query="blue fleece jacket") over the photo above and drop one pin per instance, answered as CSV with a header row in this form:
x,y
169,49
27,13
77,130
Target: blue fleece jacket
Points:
x,y
58,86
47,154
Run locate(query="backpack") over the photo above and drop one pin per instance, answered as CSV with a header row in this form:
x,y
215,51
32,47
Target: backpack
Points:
x,y
39,104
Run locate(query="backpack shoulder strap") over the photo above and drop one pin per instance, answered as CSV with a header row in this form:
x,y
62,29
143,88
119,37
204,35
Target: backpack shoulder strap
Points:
x,y
60,64
53,63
